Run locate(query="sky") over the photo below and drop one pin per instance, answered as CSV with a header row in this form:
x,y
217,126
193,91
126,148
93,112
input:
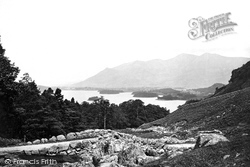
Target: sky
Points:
x,y
60,42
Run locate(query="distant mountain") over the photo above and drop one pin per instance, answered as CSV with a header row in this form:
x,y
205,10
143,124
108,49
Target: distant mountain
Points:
x,y
240,79
185,70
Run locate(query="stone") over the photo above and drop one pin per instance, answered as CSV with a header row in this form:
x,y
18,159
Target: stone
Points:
x,y
94,146
175,153
86,144
52,150
63,153
71,136
160,151
116,136
213,138
130,153
37,141
29,142
117,147
150,152
27,152
74,144
43,151
72,153
86,158
226,156
69,151
60,138
35,152
62,147
78,135
52,139
82,135
89,131
92,135
44,140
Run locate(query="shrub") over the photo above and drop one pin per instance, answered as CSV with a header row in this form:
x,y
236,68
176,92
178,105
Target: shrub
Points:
x,y
9,142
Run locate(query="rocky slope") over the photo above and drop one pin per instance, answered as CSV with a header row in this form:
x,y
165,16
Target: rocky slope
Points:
x,y
240,79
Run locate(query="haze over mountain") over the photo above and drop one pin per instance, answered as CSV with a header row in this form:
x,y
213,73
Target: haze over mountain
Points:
x,y
185,70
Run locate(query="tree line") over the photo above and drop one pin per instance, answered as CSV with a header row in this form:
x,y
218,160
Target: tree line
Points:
x,y
25,111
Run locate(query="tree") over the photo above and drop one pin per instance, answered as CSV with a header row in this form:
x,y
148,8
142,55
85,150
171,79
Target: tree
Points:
x,y
8,74
58,94
104,106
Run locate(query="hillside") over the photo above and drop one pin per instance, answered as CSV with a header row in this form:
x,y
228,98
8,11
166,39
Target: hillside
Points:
x,y
188,71
227,111
240,79
210,113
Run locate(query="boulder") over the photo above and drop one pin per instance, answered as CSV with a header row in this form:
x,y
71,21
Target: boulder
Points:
x,y
27,152
52,139
130,154
86,158
78,135
52,150
89,131
213,138
82,135
71,136
86,144
43,151
92,135
60,138
29,142
63,153
160,151
175,153
117,146
75,144
35,152
44,140
62,147
151,152
37,141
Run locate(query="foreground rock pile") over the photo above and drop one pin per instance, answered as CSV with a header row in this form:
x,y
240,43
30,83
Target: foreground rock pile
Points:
x,y
109,148
118,149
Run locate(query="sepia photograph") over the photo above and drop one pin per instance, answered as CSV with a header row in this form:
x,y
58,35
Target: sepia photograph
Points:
x,y
135,83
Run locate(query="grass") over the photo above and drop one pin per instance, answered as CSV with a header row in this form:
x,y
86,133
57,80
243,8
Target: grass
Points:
x,y
234,153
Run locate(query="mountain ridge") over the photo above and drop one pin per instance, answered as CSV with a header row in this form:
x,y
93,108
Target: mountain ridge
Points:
x,y
184,70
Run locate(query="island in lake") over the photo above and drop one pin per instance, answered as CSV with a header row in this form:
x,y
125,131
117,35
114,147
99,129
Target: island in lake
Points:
x,y
110,91
144,94
93,98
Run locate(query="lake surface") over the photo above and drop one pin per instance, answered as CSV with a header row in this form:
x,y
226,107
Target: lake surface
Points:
x,y
83,95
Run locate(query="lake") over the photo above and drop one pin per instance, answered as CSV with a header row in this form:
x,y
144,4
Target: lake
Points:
x,y
83,95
